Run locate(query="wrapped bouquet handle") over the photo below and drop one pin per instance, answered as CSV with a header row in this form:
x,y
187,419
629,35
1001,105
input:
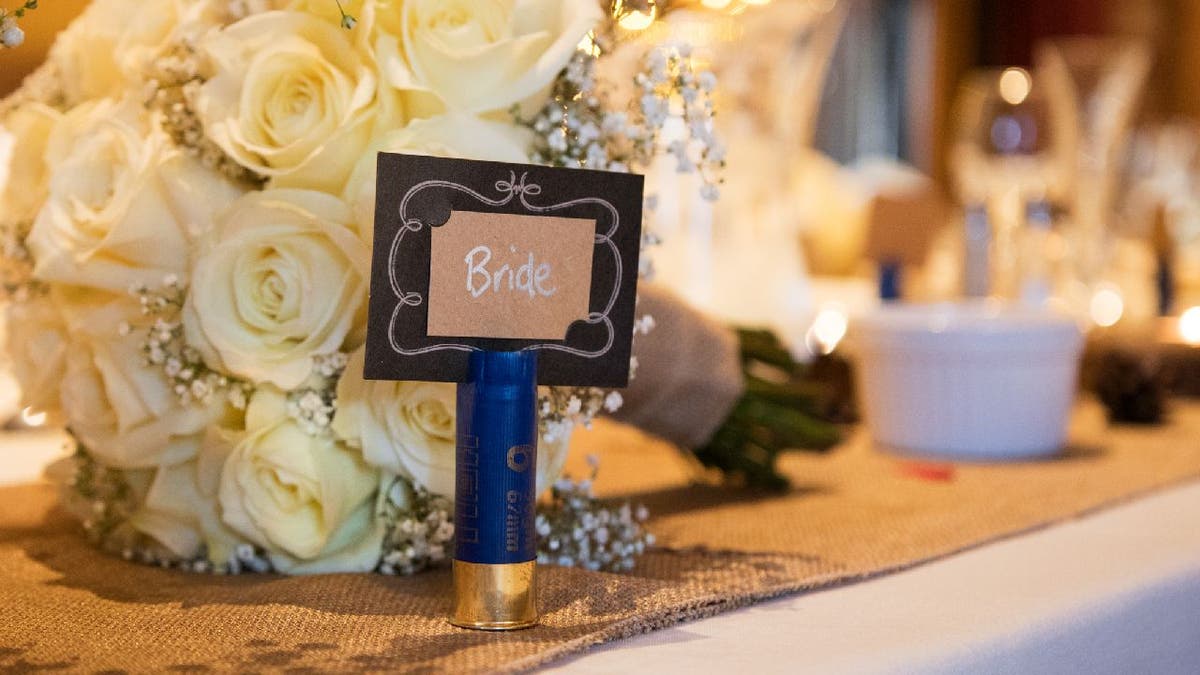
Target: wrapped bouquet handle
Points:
x,y
735,398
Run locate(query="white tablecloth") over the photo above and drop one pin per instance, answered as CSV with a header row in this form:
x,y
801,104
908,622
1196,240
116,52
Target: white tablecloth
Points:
x,y
1117,591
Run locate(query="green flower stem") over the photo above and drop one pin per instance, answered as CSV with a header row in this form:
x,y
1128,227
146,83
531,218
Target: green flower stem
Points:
x,y
19,12
770,418
762,345
801,395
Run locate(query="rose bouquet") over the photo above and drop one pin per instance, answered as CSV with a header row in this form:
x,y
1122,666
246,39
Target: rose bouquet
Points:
x,y
187,217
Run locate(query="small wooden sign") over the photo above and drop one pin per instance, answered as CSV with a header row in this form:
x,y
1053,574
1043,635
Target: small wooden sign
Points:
x,y
902,227
489,255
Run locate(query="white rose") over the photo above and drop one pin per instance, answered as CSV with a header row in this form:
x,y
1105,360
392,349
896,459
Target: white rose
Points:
x,y
108,49
23,192
180,511
452,135
307,499
284,280
84,53
408,429
122,201
291,98
480,55
37,344
121,410
149,29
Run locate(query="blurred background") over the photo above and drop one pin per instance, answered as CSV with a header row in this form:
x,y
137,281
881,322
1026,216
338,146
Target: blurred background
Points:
x,y
1039,152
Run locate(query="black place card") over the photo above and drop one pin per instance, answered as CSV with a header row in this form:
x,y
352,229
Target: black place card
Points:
x,y
473,255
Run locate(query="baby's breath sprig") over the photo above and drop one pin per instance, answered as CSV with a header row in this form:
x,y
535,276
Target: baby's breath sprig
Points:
x,y
312,409
11,35
571,129
577,129
569,405
330,366
670,87
420,532
16,264
348,20
561,408
313,406
577,530
174,82
165,347
102,493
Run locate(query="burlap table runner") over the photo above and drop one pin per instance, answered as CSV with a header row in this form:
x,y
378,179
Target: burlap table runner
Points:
x,y
854,514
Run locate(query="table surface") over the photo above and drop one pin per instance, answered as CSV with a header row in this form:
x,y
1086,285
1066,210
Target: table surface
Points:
x,y
1117,591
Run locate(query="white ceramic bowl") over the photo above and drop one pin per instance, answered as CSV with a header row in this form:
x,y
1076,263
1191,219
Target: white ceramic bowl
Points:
x,y
976,381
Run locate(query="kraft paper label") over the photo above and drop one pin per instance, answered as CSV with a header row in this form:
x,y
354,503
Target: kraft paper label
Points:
x,y
500,275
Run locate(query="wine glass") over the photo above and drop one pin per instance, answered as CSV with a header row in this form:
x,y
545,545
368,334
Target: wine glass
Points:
x,y
1006,154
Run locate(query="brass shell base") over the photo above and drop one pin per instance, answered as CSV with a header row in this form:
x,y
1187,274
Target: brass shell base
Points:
x,y
495,597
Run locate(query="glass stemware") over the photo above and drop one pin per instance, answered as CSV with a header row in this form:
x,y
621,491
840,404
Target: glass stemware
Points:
x,y
1006,154
1095,86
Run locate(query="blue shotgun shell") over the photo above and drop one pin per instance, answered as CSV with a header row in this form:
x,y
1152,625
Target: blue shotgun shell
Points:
x,y
496,457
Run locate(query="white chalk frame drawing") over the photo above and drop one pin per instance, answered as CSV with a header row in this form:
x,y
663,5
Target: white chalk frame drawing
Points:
x,y
511,188
418,193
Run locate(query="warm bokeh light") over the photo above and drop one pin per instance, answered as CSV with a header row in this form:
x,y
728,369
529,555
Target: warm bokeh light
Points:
x,y
827,330
715,4
1189,326
637,20
1107,306
1015,84
33,418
